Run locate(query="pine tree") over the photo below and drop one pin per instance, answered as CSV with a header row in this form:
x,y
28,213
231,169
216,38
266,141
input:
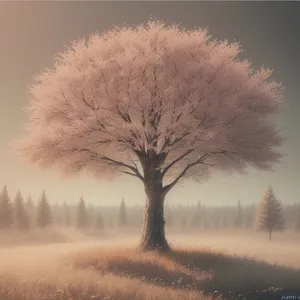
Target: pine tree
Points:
x,y
204,217
223,222
183,221
269,213
82,215
91,213
196,217
56,214
297,220
239,216
195,222
249,217
6,209
99,222
43,218
216,219
21,216
206,223
30,211
111,223
122,218
66,215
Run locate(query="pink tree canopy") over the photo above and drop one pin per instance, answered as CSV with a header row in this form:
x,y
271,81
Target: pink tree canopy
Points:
x,y
153,93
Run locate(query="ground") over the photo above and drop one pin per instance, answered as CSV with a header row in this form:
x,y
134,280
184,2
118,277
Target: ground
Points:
x,y
204,265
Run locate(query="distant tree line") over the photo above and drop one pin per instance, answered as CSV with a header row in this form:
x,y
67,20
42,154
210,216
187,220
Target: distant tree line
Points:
x,y
269,215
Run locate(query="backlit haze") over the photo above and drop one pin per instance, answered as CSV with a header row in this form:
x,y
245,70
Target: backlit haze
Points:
x,y
32,33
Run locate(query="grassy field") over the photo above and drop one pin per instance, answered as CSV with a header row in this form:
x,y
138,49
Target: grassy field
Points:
x,y
203,265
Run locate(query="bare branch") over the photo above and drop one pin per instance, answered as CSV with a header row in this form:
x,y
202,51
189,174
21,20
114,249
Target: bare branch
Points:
x,y
168,187
175,161
121,164
128,173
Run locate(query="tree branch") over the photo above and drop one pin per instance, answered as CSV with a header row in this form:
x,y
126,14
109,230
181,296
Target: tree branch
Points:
x,y
175,161
128,173
111,161
121,164
168,187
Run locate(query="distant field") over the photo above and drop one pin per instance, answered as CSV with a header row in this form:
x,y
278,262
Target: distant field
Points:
x,y
105,266
284,248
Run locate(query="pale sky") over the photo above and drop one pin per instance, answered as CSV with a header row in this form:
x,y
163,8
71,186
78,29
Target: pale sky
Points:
x,y
33,32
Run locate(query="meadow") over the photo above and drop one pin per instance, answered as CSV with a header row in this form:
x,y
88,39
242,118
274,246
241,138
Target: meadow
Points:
x,y
205,264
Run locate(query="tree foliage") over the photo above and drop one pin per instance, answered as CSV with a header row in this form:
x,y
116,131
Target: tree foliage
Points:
x,y
177,98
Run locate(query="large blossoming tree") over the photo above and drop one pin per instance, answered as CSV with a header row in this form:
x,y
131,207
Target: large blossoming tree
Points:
x,y
155,102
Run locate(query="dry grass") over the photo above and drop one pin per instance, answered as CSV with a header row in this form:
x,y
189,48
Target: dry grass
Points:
x,y
86,269
86,284
214,274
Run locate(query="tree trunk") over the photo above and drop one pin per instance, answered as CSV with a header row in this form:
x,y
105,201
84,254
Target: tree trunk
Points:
x,y
270,234
153,236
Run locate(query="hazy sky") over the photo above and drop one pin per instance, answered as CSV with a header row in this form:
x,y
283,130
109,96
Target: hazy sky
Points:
x,y
33,32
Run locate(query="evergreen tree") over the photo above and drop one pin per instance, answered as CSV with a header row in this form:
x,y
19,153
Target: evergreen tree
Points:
x,y
223,222
206,223
111,223
183,221
297,220
91,213
30,211
195,222
216,222
43,217
21,216
198,208
122,218
99,222
82,215
56,214
216,219
239,216
204,217
196,217
6,209
269,213
249,217
66,215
